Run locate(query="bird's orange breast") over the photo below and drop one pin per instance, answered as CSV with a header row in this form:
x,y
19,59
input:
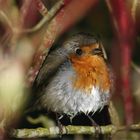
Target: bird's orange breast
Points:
x,y
90,71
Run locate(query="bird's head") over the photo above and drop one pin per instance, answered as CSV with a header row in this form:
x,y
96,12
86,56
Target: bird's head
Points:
x,y
88,59
84,48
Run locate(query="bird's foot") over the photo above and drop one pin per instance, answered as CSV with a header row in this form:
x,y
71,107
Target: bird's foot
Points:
x,y
60,126
96,126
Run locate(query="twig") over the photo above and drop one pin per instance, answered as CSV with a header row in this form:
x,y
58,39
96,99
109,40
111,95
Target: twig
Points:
x,y
24,11
41,7
54,131
123,21
135,67
133,9
43,119
6,19
114,115
45,19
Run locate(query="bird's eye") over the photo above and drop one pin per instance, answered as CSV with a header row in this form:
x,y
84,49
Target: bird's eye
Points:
x,y
79,51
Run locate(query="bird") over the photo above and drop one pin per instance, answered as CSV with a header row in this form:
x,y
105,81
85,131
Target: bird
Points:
x,y
74,78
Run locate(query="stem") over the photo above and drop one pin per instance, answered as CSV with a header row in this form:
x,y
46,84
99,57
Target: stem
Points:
x,y
54,131
41,7
123,22
47,17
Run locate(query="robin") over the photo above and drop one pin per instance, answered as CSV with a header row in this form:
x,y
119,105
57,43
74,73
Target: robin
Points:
x,y
74,78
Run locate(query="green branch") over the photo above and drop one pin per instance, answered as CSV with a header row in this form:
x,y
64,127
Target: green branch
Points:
x,y
55,131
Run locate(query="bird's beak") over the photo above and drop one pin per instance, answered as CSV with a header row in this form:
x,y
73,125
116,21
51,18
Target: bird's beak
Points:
x,y
100,51
97,51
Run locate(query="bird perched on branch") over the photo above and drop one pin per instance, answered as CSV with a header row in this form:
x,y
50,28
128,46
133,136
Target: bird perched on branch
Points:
x,y
74,78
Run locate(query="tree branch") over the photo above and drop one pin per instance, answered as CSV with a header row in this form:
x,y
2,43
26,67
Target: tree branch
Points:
x,y
47,17
135,67
54,131
122,21
41,7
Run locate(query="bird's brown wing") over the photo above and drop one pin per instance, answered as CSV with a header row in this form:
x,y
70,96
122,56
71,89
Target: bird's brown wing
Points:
x,y
48,70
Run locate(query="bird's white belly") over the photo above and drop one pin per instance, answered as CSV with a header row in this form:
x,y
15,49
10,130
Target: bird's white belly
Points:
x,y
61,97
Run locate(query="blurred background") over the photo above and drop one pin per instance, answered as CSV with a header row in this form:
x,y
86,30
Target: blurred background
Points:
x,y
28,28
